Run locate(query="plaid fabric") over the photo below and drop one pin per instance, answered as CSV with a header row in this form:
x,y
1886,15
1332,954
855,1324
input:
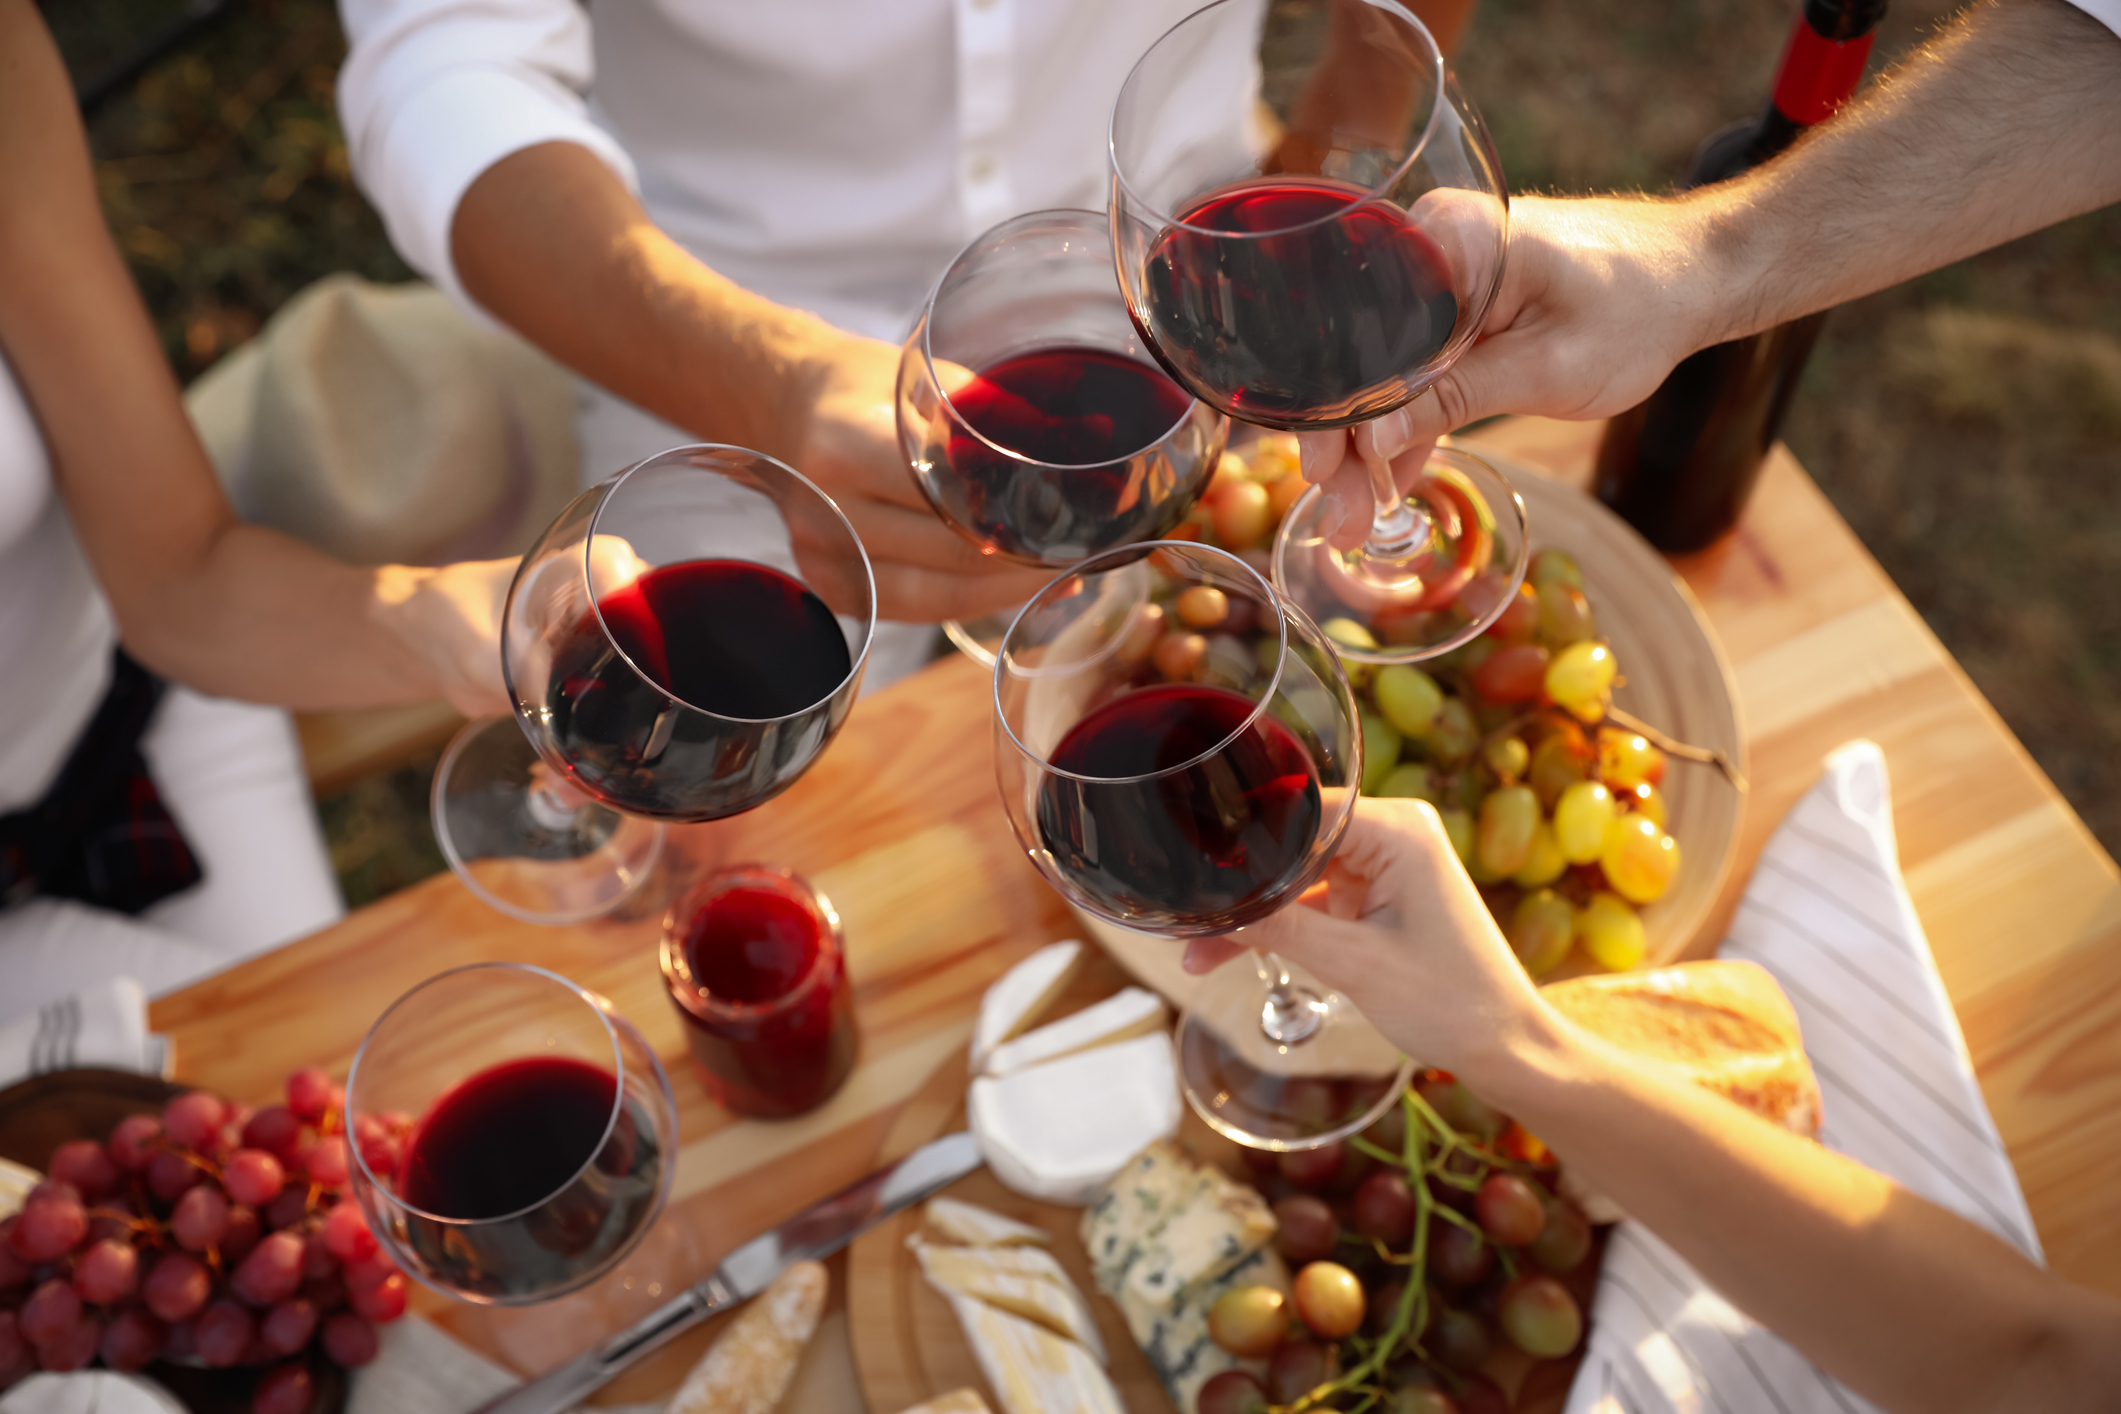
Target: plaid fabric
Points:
x,y
101,834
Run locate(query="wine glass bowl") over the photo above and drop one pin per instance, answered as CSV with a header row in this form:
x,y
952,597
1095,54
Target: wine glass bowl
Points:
x,y
1177,747
1033,419
544,1136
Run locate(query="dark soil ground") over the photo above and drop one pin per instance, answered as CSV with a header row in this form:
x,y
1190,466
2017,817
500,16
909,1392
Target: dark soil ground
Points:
x,y
1968,424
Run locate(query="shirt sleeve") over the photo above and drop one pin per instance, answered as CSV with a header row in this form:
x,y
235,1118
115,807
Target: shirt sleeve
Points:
x,y
433,92
2106,12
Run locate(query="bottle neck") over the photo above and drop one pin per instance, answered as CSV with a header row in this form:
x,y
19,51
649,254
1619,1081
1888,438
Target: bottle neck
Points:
x,y
1823,62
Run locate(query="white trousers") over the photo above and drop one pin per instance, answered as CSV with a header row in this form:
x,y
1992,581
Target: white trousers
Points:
x,y
614,434
231,774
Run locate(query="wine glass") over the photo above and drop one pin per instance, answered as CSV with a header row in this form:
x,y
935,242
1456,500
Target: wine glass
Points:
x,y
1178,750
1035,423
1309,248
682,643
543,1137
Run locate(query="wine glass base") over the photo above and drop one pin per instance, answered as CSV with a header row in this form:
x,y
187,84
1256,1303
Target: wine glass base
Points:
x,y
1283,1095
526,843
1442,592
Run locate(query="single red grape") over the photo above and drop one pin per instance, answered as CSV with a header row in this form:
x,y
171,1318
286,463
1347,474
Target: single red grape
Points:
x,y
54,1188
72,1350
1419,1399
1457,1257
349,1340
14,1271
382,1302
84,1164
12,1342
286,1389
194,1119
327,1161
1481,1395
1384,1208
133,1142
176,1286
48,1228
275,1129
1517,673
309,1093
112,1218
346,1232
288,1326
289,1208
273,1270
170,1174
242,1233
369,1271
317,1258
107,1272
1314,1168
253,1176
223,1333
52,1311
200,1217
1566,1239
1308,1229
325,1293
1539,1316
1510,1209
1231,1392
133,1339
1459,1339
1298,1367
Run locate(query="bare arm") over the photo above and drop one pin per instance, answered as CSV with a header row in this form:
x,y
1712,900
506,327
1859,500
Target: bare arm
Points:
x,y
2008,122
228,608
550,240
1908,1304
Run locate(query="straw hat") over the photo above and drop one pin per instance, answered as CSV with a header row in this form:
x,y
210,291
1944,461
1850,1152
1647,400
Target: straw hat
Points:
x,y
380,423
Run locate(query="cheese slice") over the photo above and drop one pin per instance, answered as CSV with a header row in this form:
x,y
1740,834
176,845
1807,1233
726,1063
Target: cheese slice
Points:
x,y
1174,1336
1032,1370
1021,995
958,1401
970,1225
1130,1012
1142,1196
1223,1223
1058,1132
1045,1296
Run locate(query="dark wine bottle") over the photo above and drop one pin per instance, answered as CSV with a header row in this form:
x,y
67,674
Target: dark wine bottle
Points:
x,y
1680,465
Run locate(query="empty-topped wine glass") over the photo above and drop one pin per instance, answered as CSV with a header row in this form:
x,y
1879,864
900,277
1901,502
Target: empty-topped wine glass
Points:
x,y
682,643
539,1133
1178,750
1313,253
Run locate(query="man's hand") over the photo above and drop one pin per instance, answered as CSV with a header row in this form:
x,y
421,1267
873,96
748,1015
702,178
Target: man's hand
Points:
x,y
849,445
449,620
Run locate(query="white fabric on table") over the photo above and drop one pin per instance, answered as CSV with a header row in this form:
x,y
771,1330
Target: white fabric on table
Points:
x,y
103,1025
1828,915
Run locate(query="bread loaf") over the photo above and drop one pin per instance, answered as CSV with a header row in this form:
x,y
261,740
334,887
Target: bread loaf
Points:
x,y
747,1369
1725,1025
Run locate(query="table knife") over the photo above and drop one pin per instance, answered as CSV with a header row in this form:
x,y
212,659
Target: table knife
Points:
x,y
818,1231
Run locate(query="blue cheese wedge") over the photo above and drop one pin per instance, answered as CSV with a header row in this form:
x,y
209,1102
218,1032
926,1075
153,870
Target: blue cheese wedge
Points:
x,y
1020,996
970,1225
1030,1369
1058,1132
1175,1339
1125,1014
1037,1291
1156,1183
1221,1224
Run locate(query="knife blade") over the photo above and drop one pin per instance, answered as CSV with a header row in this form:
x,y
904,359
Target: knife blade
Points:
x,y
818,1231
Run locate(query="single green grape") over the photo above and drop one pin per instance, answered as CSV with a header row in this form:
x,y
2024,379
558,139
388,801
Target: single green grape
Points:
x,y
1410,780
1455,734
1647,801
1542,930
1611,933
1458,827
1409,698
1551,566
1508,757
1380,751
1580,676
1627,759
1543,863
1564,615
1580,820
1639,859
1508,818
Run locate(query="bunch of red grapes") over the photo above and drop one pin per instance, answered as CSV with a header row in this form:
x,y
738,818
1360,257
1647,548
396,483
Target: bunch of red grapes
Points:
x,y
214,1234
1421,1248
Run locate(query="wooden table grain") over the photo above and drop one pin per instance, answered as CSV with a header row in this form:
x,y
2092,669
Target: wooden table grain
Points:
x,y
901,826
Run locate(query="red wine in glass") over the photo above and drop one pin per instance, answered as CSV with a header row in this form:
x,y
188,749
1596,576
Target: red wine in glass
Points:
x,y
756,966
1074,417
1296,302
738,644
1222,836
508,1144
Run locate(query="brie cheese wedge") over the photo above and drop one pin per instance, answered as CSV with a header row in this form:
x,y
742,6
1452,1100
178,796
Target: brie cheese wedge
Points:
x,y
1122,1016
1021,995
1058,1132
970,1225
1032,1370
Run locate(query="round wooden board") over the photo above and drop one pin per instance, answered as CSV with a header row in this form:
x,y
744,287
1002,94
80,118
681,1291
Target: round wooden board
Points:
x,y
908,1346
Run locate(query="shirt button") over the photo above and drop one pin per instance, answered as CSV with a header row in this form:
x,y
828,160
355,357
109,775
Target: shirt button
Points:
x,y
981,169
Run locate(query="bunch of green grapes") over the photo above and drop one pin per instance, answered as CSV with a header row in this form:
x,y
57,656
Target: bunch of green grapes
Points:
x,y
1421,1248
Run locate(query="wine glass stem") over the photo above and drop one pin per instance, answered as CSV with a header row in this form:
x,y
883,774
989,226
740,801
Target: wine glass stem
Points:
x,y
1400,527
1290,1015
550,808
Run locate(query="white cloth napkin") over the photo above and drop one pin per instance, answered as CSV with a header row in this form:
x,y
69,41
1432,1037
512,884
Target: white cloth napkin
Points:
x,y
101,1025
1828,915
89,1392
422,1369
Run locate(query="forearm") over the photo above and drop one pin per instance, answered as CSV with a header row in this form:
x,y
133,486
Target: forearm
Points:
x,y
1923,1310
2008,122
550,240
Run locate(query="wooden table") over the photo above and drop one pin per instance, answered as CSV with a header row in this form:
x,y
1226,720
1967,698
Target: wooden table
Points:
x,y
901,827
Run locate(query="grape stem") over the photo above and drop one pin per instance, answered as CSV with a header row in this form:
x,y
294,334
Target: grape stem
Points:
x,y
1671,746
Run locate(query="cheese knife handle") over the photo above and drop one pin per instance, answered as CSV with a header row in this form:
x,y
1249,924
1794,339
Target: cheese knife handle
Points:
x,y
557,1391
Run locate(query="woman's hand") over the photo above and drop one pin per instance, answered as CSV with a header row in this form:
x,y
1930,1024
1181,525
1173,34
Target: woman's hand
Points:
x,y
1404,934
449,619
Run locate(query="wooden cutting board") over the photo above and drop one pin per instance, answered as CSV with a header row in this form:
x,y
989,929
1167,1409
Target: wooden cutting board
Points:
x,y
908,1346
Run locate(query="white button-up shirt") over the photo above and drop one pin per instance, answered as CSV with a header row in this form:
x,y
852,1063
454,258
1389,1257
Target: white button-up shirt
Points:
x,y
828,154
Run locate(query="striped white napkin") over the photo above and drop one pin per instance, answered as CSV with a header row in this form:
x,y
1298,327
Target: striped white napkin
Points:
x,y
101,1025
1828,915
